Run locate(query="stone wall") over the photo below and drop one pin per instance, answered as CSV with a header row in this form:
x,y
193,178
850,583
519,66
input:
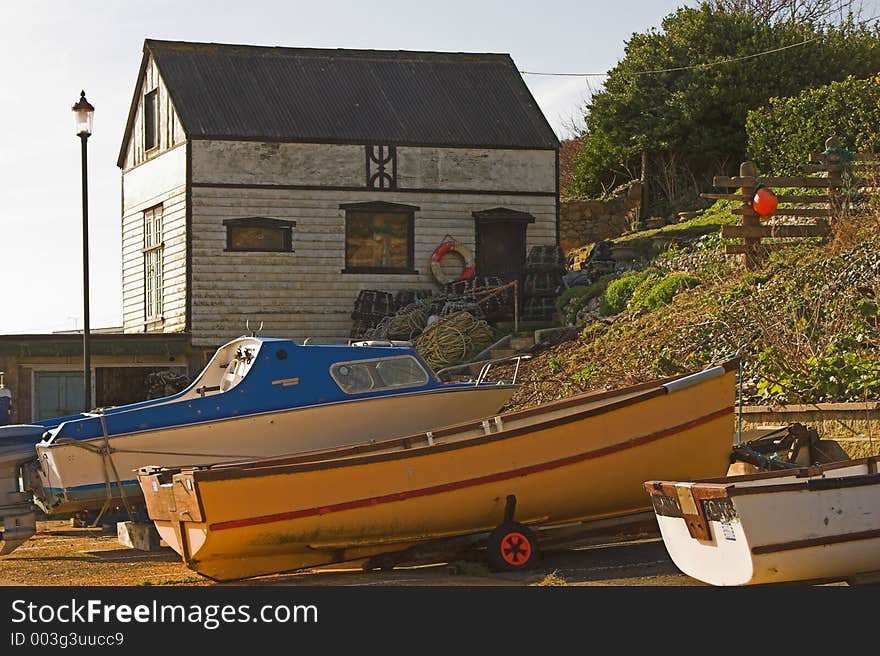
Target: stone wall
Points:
x,y
584,222
856,426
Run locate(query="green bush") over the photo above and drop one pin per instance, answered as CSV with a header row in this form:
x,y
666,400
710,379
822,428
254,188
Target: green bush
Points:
x,y
851,376
689,121
619,291
784,132
655,291
637,297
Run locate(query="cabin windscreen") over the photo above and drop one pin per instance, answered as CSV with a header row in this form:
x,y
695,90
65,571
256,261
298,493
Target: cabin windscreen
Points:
x,y
362,376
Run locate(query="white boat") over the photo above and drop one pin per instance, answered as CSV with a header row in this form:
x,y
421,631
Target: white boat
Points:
x,y
809,524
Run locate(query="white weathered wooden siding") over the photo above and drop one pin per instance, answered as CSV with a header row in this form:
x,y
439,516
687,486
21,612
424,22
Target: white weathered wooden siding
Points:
x,y
278,163
161,180
304,293
257,163
170,130
473,168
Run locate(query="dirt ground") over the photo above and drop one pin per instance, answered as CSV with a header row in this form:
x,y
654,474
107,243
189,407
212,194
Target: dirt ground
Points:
x,y
61,555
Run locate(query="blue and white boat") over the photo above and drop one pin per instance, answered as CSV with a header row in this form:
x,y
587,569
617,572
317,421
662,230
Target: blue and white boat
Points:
x,y
257,397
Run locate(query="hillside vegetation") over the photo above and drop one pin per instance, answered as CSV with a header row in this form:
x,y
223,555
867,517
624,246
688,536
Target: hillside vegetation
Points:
x,y
686,121
806,325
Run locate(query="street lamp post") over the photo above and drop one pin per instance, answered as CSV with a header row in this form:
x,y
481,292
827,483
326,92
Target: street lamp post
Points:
x,y
84,114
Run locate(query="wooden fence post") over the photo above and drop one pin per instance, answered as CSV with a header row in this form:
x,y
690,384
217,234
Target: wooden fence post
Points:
x,y
752,231
835,179
750,218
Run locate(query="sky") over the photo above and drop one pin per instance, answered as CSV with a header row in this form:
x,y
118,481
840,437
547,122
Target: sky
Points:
x,y
51,50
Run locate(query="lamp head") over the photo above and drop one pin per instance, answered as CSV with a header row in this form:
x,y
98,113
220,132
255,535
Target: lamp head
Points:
x,y
84,113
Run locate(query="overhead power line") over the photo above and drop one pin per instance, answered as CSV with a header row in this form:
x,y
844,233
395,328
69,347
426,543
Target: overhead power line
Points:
x,y
693,66
682,68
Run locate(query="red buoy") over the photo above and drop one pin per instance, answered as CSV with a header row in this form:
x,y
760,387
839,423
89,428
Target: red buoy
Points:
x,y
765,201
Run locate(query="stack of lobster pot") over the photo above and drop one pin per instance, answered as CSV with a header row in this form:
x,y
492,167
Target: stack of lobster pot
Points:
x,y
404,297
545,267
370,307
478,296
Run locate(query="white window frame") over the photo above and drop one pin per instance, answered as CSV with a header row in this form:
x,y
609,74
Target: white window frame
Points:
x,y
372,363
153,250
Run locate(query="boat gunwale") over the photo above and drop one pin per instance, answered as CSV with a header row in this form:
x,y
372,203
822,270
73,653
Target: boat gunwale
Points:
x,y
725,486
715,491
366,453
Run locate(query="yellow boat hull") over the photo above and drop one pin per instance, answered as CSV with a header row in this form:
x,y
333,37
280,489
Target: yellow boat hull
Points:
x,y
581,459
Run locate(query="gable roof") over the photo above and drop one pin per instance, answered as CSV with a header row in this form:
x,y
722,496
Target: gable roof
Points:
x,y
347,96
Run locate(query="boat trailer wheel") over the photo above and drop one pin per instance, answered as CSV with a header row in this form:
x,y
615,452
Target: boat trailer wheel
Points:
x,y
512,546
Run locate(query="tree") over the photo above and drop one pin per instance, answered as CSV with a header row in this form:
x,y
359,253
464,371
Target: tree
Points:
x,y
815,11
682,94
569,149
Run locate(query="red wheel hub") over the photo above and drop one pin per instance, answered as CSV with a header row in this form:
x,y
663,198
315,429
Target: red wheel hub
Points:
x,y
515,549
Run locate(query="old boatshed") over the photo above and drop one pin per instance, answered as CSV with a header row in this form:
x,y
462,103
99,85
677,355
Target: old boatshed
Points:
x,y
274,184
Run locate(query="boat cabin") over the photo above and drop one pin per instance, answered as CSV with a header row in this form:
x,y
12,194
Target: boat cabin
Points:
x,y
252,375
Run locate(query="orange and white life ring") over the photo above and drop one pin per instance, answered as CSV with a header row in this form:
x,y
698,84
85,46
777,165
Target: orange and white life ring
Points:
x,y
441,250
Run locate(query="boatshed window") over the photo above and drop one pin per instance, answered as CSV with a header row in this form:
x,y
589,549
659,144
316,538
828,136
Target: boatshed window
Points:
x,y
151,119
373,375
153,274
379,237
259,234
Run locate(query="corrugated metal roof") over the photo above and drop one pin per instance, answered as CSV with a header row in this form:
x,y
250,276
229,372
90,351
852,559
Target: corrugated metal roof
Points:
x,y
350,96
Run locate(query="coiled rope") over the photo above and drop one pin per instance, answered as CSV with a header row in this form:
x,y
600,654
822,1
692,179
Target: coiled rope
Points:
x,y
404,324
453,339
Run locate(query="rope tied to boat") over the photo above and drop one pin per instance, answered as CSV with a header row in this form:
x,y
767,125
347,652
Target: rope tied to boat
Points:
x,y
106,452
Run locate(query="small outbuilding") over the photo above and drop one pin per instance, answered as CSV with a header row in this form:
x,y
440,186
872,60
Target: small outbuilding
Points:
x,y
272,185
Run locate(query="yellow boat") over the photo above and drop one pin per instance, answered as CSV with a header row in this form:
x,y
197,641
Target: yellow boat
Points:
x,y
576,460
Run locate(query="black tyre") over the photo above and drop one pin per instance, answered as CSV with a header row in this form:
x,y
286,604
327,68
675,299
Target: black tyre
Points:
x,y
512,547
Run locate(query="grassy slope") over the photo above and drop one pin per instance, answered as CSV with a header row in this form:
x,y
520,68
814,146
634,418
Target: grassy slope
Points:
x,y
806,325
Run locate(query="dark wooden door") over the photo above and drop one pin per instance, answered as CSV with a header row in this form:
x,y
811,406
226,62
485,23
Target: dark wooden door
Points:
x,y
501,250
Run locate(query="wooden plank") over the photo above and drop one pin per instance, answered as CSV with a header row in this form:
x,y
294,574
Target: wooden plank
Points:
x,y
735,181
818,168
806,198
789,211
762,231
742,197
797,181
788,181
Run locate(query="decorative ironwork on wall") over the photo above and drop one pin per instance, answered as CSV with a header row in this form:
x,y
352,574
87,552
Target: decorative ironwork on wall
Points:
x,y
381,167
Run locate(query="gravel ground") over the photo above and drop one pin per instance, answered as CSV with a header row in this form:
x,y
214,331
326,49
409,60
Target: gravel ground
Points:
x,y
62,555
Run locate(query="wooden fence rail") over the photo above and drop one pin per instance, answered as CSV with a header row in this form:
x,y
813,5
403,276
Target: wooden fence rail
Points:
x,y
862,172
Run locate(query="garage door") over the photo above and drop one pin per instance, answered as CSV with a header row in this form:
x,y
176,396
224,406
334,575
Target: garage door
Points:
x,y
58,393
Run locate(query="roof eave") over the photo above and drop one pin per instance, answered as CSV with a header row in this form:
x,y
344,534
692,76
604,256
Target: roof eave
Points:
x,y
132,110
